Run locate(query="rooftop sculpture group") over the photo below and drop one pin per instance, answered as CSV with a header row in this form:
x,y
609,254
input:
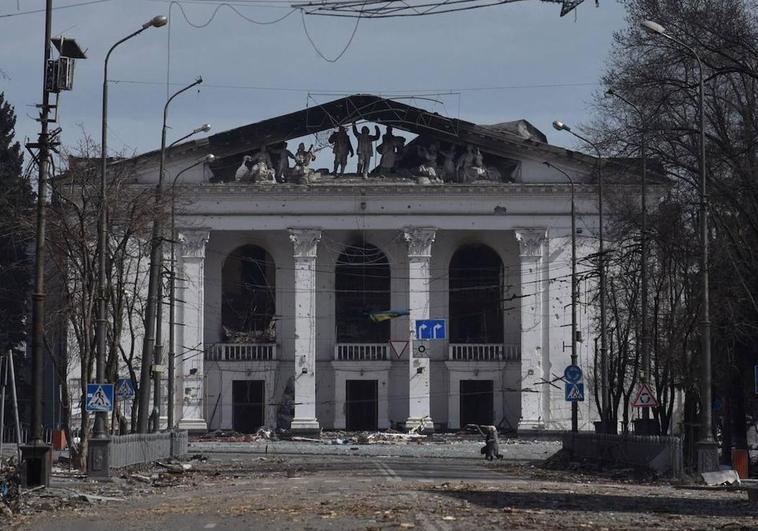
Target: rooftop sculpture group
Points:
x,y
424,160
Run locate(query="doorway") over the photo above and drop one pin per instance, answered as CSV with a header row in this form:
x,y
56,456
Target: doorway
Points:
x,y
361,405
248,405
476,401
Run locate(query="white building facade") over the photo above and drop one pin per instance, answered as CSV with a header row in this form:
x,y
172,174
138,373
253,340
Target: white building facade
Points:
x,y
297,300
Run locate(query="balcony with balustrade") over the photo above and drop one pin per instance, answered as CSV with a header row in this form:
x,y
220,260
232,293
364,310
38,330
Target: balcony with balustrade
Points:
x,y
492,352
361,352
241,352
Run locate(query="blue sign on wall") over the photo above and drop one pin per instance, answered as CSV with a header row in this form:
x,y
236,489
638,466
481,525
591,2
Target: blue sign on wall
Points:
x,y
574,392
99,397
430,329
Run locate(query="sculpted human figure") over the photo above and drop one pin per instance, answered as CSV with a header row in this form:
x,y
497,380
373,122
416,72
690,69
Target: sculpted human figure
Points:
x,y
471,165
303,159
428,156
283,168
365,147
447,172
389,149
341,147
263,169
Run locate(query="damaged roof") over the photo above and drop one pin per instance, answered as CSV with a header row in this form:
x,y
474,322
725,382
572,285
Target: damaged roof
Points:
x,y
503,139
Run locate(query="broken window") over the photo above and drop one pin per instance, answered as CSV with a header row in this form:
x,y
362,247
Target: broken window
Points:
x,y
362,287
476,293
248,295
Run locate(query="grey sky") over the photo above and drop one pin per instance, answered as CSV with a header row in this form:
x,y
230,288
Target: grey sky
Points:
x,y
514,45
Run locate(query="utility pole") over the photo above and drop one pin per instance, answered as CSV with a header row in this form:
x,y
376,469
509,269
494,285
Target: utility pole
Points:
x,y
605,397
574,293
36,454
707,449
153,326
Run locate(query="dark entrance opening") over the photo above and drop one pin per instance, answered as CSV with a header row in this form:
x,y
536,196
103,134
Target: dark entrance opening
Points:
x,y
362,405
476,402
476,295
248,405
361,286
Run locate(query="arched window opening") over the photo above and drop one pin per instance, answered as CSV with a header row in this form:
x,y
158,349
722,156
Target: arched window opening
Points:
x,y
362,287
476,295
248,296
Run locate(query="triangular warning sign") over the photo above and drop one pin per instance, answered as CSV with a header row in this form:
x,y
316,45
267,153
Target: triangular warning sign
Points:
x,y
99,400
399,347
645,397
124,389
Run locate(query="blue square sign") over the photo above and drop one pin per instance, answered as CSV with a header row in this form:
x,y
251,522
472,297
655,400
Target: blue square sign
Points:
x,y
99,398
574,392
427,329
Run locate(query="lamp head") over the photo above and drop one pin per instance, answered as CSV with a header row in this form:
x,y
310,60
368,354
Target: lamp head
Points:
x,y
560,126
199,80
653,27
155,22
203,128
610,92
209,158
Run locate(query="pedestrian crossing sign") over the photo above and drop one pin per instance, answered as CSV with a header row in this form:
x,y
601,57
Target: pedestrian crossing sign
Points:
x,y
124,388
99,398
574,392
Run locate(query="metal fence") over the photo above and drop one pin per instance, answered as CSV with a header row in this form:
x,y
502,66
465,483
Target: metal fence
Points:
x,y
660,453
139,448
9,435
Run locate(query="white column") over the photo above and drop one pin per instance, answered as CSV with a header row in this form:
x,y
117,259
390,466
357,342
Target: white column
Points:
x,y
420,240
531,243
190,351
304,247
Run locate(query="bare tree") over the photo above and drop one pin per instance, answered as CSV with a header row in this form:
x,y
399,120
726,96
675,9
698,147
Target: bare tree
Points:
x,y
74,212
661,78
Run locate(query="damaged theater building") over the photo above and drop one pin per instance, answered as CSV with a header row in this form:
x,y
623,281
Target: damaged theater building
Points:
x,y
311,244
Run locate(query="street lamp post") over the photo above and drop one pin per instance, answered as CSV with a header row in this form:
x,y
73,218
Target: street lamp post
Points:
x,y
36,455
707,451
574,286
98,463
152,339
172,288
646,426
604,369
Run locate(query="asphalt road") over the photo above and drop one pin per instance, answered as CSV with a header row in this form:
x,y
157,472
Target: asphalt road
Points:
x,y
236,491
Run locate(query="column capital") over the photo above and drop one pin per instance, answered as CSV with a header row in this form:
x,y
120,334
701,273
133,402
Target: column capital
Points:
x,y
304,242
193,242
420,240
530,241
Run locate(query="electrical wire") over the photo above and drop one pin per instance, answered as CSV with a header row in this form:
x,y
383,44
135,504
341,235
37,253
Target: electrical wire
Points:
x,y
55,8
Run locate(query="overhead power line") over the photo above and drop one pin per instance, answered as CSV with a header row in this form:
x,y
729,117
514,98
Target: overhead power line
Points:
x,y
42,10
406,8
